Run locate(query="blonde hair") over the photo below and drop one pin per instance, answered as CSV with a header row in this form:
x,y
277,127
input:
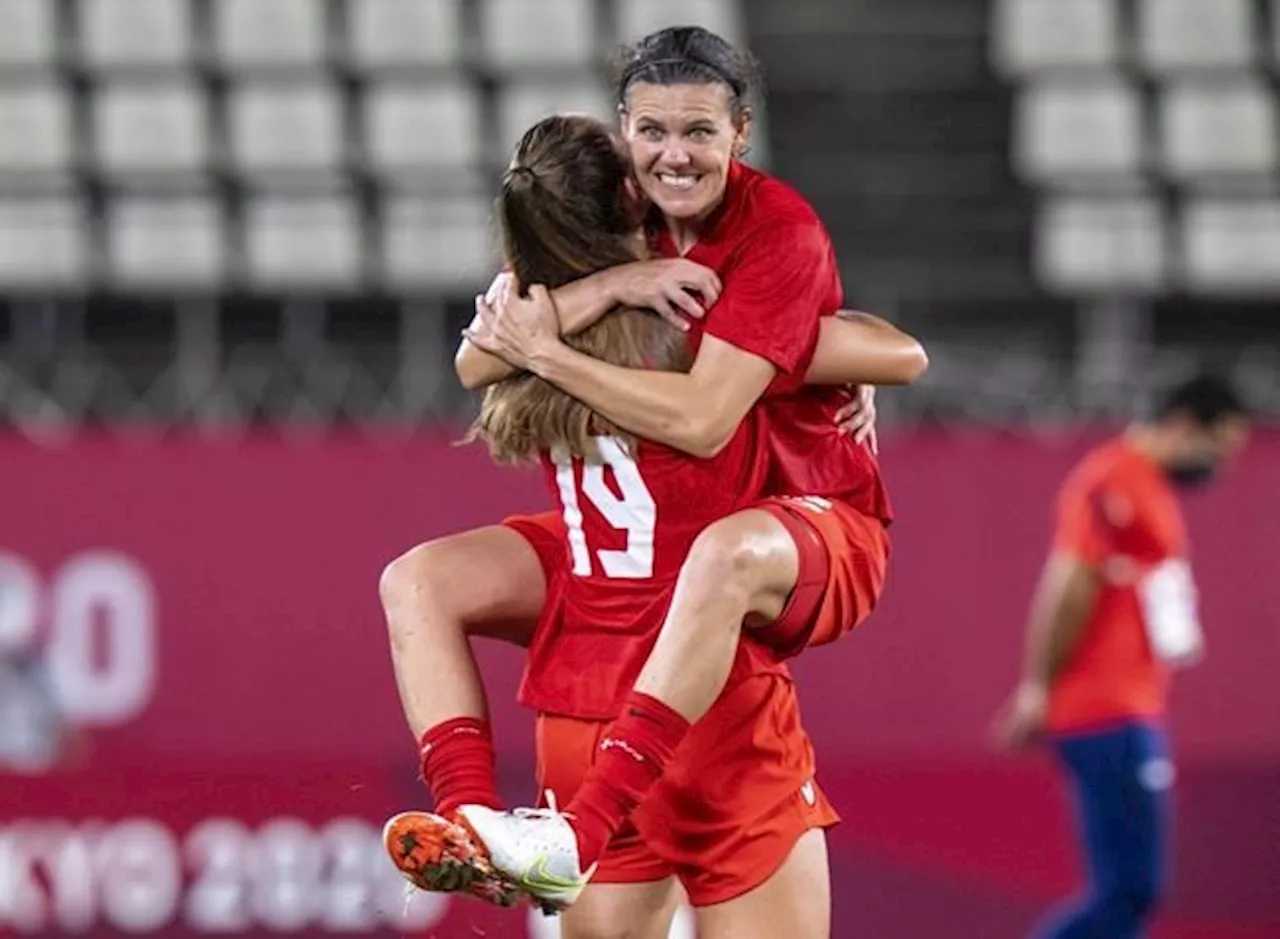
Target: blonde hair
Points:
x,y
523,415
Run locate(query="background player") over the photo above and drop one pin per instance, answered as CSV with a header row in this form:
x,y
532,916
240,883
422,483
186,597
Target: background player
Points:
x,y
1115,611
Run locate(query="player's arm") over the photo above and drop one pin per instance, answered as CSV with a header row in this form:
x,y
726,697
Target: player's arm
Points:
x,y
1060,610
667,287
764,322
578,305
696,413
1063,602
858,348
1059,616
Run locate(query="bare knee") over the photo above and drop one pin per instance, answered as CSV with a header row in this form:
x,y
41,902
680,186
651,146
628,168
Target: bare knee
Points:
x,y
413,575
749,556
485,582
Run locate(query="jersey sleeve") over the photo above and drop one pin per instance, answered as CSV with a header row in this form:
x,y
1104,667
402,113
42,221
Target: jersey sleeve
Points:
x,y
775,289
1085,526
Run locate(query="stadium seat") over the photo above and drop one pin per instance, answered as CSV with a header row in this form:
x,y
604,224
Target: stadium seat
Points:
x,y
43,243
28,33
519,34
1079,130
437,243
1176,35
638,18
523,103
252,34
285,127
38,132
1218,130
384,34
150,128
1231,246
166,242
1094,245
413,127
1032,36
135,33
302,242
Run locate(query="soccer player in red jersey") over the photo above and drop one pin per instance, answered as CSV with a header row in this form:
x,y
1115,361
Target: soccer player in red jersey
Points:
x,y
649,500
810,567
1115,612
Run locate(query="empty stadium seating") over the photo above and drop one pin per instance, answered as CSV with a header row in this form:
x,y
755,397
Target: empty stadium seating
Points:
x,y
285,144
1171,101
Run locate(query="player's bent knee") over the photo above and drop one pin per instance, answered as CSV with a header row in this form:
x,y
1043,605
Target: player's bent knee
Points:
x,y
406,576
484,582
750,552
424,583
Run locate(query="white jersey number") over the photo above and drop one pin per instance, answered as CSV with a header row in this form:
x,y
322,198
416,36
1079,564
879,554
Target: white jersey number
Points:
x,y
635,512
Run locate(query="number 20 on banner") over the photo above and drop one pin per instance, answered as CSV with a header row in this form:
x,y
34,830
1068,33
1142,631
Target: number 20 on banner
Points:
x,y
95,600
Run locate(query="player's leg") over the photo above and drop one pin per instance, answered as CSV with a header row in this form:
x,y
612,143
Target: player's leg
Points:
x,y
622,911
740,569
743,565
793,571
436,853
1119,779
740,815
486,582
491,582
795,902
758,566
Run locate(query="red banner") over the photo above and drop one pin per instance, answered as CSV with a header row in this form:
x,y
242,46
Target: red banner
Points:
x,y
208,612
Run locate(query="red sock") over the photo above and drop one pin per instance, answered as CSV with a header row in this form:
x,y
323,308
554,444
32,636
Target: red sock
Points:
x,y
457,764
633,753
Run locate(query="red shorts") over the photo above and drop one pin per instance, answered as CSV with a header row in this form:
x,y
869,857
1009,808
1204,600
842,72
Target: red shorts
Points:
x,y
730,806
548,535
843,555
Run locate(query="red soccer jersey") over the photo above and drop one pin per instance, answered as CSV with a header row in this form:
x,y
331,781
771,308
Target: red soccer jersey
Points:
x,y
1118,513
780,276
631,520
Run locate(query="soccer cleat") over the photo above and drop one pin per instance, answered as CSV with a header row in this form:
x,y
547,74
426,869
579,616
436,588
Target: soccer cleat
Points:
x,y
535,848
436,854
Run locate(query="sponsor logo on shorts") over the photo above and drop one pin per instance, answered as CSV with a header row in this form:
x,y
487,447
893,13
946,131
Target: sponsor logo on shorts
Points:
x,y
809,793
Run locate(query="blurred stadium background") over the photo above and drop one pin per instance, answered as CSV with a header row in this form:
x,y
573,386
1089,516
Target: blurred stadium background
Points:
x,y
237,241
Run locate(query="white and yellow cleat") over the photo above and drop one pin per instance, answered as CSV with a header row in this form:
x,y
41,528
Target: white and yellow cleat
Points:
x,y
535,848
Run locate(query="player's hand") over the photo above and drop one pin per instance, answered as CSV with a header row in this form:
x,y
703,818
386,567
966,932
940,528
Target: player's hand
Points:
x,y
858,417
667,287
514,328
1021,722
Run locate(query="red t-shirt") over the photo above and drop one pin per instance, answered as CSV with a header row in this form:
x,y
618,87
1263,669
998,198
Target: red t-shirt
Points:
x,y
1118,513
631,519
780,277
